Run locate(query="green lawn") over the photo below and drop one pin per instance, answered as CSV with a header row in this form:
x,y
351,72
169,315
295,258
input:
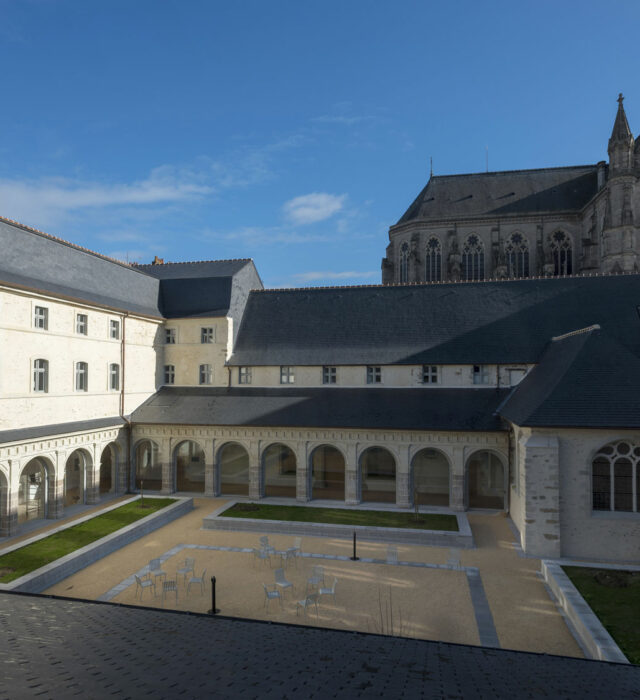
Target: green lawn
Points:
x,y
614,596
32,556
340,516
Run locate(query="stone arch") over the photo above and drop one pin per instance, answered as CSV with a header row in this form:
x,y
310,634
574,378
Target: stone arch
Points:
x,y
279,467
473,258
516,253
486,476
109,468
233,469
615,467
377,475
76,477
35,489
560,245
5,521
327,466
148,468
431,477
189,460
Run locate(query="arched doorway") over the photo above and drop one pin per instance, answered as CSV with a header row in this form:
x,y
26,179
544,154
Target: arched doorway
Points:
x,y
430,471
485,478
279,465
233,469
108,469
378,474
75,475
33,491
189,467
327,473
148,467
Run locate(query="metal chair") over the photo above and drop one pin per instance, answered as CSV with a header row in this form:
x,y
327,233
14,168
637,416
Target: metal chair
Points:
x,y
261,555
141,584
282,582
311,599
264,544
316,578
271,595
169,587
188,567
297,543
198,580
329,591
155,569
288,555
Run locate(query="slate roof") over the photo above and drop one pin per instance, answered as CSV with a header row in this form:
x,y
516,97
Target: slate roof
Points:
x,y
463,323
394,409
544,191
585,380
39,431
56,647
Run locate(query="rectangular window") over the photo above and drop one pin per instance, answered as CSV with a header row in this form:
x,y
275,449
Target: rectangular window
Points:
x,y
114,377
480,374
41,317
374,375
206,375
206,335
287,375
81,324
82,376
329,375
170,336
41,376
169,374
244,375
114,329
429,374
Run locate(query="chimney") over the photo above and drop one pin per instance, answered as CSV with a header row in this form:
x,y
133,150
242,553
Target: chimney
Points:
x,y
158,261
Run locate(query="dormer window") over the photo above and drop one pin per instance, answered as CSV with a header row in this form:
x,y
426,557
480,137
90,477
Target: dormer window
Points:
x,y
374,374
429,374
480,374
287,375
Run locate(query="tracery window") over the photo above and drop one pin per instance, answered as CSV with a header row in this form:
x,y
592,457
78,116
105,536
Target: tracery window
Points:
x,y
615,483
473,258
562,253
433,260
516,250
404,262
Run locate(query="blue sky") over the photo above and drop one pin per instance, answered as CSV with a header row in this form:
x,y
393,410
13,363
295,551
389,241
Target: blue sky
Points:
x,y
294,133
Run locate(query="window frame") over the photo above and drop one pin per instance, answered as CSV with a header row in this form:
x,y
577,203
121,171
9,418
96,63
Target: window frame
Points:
x,y
114,371
41,317
205,374
329,374
244,374
40,373
287,374
170,336
169,374
81,381
207,335
614,456
374,374
114,329
82,324
481,376
430,374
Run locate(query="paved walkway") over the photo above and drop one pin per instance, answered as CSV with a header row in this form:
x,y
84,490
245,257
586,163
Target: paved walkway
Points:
x,y
492,597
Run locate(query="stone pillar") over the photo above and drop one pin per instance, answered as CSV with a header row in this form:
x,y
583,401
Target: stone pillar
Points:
x,y
404,496
303,473
209,471
457,496
351,477
55,484
540,527
255,472
92,479
120,459
8,512
168,476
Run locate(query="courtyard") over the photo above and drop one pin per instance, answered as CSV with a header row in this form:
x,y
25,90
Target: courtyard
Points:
x,y
490,595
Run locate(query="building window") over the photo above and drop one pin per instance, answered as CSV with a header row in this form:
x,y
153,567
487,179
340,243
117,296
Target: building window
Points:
x,y
516,250
41,317
561,252
429,374
287,375
206,335
82,376
206,374
480,374
41,376
244,375
170,336
114,329
114,377
615,484
404,263
169,374
81,324
433,260
374,375
329,375
473,259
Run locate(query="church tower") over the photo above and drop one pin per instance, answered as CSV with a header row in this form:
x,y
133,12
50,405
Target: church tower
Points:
x,y
620,234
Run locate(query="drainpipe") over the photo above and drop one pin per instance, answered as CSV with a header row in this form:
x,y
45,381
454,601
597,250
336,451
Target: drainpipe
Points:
x,y
123,359
229,375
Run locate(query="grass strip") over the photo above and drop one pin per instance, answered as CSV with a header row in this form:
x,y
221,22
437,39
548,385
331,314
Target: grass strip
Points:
x,y
614,596
32,556
340,516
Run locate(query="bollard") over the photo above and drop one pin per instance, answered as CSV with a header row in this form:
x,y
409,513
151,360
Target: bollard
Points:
x,y
354,557
213,610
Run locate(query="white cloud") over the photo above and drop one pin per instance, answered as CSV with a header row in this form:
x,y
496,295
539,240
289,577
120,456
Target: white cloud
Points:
x,y
315,276
313,207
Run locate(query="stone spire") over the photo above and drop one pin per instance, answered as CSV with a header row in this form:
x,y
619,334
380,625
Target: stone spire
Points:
x,y
621,142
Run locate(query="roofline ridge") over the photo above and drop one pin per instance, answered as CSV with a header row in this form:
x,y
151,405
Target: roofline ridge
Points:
x,y
519,170
191,262
580,331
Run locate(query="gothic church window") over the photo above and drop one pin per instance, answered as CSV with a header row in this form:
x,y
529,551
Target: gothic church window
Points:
x,y
561,252
615,478
433,260
516,250
404,263
473,259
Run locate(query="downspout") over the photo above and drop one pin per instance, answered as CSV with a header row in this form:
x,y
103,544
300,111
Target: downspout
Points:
x,y
123,359
229,377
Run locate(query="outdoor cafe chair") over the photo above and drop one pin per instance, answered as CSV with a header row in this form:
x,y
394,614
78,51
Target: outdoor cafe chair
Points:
x,y
261,555
198,580
282,582
271,595
264,544
316,578
329,591
155,569
289,555
189,564
169,587
141,584
311,599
